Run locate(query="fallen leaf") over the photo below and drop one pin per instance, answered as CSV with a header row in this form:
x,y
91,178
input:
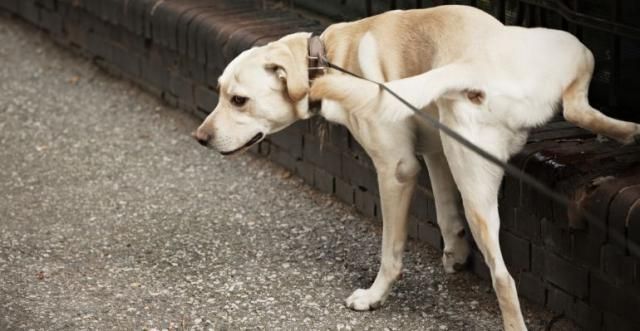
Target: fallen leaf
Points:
x,y
73,80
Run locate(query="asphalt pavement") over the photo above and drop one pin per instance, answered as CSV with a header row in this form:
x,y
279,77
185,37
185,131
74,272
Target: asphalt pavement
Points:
x,y
112,218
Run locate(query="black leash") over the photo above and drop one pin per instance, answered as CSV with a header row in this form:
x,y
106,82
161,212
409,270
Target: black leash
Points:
x,y
634,248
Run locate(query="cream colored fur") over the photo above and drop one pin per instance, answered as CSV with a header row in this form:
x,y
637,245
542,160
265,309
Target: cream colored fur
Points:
x,y
489,82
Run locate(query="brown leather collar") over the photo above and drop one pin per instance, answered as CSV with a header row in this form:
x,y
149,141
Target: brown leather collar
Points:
x,y
316,67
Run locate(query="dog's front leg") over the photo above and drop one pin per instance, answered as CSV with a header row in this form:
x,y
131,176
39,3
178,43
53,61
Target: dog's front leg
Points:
x,y
396,179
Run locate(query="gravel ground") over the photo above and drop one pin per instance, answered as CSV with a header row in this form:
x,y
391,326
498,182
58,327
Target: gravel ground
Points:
x,y
112,218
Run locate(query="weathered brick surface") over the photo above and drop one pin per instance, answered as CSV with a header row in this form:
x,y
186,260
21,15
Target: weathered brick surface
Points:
x,y
532,287
558,258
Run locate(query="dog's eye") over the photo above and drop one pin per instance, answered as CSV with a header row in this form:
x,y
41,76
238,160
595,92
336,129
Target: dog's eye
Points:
x,y
238,101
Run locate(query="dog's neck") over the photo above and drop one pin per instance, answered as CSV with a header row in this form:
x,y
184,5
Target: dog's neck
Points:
x,y
299,46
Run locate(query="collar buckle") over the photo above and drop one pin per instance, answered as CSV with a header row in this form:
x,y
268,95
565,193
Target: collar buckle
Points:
x,y
316,66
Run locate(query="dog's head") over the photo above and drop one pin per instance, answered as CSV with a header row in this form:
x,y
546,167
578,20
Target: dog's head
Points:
x,y
260,92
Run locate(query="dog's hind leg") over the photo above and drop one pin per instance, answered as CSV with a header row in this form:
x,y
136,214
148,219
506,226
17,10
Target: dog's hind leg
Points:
x,y
448,213
577,110
479,182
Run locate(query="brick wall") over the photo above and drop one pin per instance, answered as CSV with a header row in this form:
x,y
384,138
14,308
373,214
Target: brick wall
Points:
x,y
177,49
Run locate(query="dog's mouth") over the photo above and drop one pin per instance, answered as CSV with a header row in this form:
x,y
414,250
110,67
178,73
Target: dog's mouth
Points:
x,y
249,143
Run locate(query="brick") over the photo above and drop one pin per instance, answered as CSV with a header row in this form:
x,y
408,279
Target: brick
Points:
x,y
365,202
557,300
613,322
205,29
323,181
125,61
305,171
290,140
633,231
170,99
344,191
430,234
29,11
512,190
537,260
599,202
585,250
531,287
623,302
112,11
182,87
138,16
556,238
619,209
10,5
155,73
48,4
220,30
95,25
424,182
163,12
339,136
527,225
566,275
76,35
412,228
616,265
326,157
52,22
263,148
188,35
431,211
281,157
253,32
516,252
99,47
359,173
478,265
134,43
418,208
212,75
507,217
587,317
187,67
205,98
181,19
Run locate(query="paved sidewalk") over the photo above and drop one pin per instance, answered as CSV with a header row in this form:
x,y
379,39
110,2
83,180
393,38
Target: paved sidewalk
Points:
x,y
112,218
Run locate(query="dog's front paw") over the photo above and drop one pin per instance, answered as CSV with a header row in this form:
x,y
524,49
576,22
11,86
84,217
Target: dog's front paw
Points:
x,y
362,300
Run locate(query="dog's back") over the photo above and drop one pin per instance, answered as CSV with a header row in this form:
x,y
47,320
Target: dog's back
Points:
x,y
410,42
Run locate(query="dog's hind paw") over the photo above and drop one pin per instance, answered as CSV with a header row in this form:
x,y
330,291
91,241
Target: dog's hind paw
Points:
x,y
363,300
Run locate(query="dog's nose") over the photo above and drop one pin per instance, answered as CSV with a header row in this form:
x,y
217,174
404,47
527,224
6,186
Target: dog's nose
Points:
x,y
202,137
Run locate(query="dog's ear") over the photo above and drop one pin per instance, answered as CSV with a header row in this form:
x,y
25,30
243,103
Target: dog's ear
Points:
x,y
290,70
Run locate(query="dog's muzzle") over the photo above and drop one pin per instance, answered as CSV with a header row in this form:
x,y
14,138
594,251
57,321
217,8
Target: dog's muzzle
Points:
x,y
249,143
202,137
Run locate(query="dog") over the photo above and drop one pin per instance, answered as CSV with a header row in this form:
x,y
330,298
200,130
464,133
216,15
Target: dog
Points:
x,y
489,82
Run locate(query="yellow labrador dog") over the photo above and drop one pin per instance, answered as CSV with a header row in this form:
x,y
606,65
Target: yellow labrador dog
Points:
x,y
489,82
